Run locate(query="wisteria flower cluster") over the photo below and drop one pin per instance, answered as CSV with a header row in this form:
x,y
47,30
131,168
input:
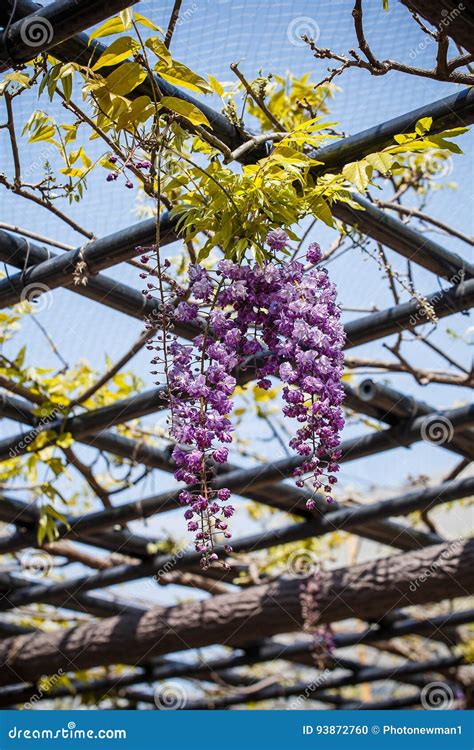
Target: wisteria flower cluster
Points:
x,y
121,169
281,320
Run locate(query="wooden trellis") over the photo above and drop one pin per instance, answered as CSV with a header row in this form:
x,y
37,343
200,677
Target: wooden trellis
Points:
x,y
25,655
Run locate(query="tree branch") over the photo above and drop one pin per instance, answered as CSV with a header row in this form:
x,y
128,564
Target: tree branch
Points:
x,y
367,591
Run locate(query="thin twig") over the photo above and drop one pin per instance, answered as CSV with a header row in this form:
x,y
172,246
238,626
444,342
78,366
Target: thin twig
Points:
x,y
172,22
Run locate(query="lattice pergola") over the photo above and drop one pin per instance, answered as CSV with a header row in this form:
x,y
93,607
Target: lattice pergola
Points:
x,y
248,620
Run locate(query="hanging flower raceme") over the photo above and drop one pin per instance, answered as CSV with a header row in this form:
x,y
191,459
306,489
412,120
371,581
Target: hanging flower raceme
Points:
x,y
280,319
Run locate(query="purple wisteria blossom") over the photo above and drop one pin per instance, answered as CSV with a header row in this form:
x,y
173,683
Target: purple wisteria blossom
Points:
x,y
281,320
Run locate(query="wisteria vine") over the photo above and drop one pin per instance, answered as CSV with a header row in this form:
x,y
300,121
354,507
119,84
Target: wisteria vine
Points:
x,y
279,319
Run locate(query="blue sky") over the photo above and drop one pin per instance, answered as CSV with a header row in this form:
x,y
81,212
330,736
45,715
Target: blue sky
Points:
x,y
211,35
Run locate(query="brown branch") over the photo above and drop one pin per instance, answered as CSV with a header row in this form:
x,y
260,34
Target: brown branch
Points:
x,y
410,211
357,15
424,376
44,203
256,98
75,554
172,22
86,472
367,591
444,70
180,578
442,56
134,349
34,236
458,469
13,141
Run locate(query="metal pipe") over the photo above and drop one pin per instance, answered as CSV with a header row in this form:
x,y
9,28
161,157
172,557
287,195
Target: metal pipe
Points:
x,y
392,403
404,240
46,27
21,253
446,113
281,496
408,432
358,331
127,300
340,519
450,112
81,50
96,255
312,691
408,315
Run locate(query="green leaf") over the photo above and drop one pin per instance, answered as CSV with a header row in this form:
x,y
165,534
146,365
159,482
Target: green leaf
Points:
x,y
441,143
43,133
127,18
66,82
402,138
117,52
181,75
321,210
20,358
65,440
42,529
357,173
139,111
216,85
125,78
146,22
423,125
56,514
18,78
185,109
71,132
381,161
160,49
114,25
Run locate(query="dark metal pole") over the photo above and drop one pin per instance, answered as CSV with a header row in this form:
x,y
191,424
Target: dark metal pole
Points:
x,y
96,255
408,315
393,404
340,519
127,300
359,331
280,495
448,112
453,111
46,27
309,691
405,240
